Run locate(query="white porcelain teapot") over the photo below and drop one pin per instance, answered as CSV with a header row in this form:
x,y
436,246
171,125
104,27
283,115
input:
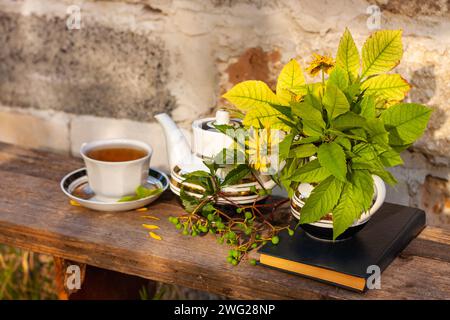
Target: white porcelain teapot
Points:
x,y
208,142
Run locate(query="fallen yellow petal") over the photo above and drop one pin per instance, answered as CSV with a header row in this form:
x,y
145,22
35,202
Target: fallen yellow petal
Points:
x,y
154,236
74,203
150,217
150,226
142,209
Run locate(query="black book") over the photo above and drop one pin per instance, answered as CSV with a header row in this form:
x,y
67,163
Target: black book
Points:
x,y
346,263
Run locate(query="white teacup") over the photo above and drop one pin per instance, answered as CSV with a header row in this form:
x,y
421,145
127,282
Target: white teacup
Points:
x,y
112,180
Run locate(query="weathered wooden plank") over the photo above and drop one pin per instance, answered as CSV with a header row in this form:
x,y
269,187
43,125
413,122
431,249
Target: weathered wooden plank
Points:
x,y
35,215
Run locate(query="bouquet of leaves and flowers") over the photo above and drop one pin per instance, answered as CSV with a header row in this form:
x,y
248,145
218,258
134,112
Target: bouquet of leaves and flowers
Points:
x,y
341,130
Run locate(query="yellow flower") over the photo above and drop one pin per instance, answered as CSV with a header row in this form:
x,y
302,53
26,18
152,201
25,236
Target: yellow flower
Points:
x,y
260,148
319,62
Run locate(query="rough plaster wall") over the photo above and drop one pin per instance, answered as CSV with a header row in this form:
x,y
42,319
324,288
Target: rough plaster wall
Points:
x,y
135,58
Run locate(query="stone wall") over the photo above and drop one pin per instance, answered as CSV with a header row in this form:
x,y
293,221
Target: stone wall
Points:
x,y
132,59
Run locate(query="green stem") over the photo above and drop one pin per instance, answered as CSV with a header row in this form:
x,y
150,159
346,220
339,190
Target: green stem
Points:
x,y
323,77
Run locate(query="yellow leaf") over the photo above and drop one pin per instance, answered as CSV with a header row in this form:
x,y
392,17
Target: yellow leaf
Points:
x,y
74,203
142,209
267,116
150,226
154,236
290,81
381,52
251,94
388,87
150,217
347,56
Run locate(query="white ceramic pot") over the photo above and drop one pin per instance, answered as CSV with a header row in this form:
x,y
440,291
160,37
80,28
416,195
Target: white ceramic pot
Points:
x,y
323,229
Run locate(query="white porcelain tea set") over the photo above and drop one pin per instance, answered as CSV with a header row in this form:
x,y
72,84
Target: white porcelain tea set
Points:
x,y
101,184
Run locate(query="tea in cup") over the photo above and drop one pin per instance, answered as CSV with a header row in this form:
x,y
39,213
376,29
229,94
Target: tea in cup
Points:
x,y
116,167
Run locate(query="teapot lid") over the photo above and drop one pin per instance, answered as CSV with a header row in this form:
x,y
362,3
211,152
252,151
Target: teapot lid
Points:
x,y
222,118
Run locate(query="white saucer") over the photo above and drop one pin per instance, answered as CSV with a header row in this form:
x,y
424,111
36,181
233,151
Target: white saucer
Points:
x,y
75,186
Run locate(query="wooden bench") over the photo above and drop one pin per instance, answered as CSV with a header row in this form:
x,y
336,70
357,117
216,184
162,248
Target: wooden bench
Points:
x,y
35,215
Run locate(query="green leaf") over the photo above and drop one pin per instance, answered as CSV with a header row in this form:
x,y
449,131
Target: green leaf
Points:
x,y
385,175
313,123
307,112
285,146
291,125
128,198
200,178
322,200
305,140
374,166
377,132
311,172
313,100
388,87
332,156
381,52
365,151
344,142
284,110
348,120
368,107
235,175
405,122
352,90
356,134
288,170
251,94
303,151
346,211
290,81
363,188
339,78
391,158
347,56
335,101
141,192
197,173
189,202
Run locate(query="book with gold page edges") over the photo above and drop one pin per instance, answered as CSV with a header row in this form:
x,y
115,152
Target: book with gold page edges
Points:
x,y
346,263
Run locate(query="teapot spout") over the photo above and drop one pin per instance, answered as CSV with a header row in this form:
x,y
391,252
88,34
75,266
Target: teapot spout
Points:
x,y
178,149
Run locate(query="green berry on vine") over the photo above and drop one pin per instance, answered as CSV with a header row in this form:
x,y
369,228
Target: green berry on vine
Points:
x,y
178,226
239,210
275,239
185,232
248,215
254,245
291,232
229,259
234,262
